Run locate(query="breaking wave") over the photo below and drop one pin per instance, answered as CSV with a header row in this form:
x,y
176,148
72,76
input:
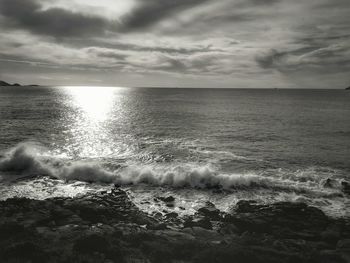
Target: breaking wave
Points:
x,y
29,160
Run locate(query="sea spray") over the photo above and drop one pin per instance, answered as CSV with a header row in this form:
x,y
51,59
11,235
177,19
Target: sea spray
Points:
x,y
27,160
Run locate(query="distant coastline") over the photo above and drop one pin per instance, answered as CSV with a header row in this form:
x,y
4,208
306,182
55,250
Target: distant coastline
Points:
x,y
4,83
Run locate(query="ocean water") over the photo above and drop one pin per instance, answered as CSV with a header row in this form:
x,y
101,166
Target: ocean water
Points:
x,y
198,145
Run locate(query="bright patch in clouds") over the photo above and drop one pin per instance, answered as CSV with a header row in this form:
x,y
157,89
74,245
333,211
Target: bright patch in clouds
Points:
x,y
111,9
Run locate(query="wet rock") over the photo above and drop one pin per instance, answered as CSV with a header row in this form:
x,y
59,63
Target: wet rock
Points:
x,y
329,183
157,215
218,191
198,222
283,220
245,206
108,227
210,211
345,187
172,215
167,199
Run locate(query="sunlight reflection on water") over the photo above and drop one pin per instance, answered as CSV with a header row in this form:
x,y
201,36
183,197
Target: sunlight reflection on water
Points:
x,y
92,110
95,102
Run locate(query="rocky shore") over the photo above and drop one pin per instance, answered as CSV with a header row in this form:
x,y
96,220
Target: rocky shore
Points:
x,y
108,227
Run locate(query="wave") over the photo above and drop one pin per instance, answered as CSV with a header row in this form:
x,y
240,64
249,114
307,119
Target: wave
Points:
x,y
186,175
29,160
24,159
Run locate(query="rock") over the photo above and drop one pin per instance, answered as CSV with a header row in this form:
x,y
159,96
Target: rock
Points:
x,y
244,206
229,229
10,229
167,199
159,226
283,219
343,247
157,215
95,243
24,252
329,256
332,234
345,187
74,219
205,234
329,183
198,222
344,244
210,211
182,236
171,215
108,227
90,244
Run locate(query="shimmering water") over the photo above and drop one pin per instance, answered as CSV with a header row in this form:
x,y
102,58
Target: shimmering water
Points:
x,y
195,144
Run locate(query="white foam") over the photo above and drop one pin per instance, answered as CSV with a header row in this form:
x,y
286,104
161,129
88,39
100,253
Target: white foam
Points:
x,y
185,175
24,159
29,160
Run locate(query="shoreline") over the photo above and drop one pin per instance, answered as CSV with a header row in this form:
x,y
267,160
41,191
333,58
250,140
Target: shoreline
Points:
x,y
108,227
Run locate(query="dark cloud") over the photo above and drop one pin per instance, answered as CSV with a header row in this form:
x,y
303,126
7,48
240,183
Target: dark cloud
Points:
x,y
28,14
333,58
150,12
268,58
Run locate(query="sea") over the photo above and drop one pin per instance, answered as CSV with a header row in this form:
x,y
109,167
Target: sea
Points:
x,y
196,145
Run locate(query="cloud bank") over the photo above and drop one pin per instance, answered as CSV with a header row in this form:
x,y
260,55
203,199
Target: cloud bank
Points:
x,y
201,43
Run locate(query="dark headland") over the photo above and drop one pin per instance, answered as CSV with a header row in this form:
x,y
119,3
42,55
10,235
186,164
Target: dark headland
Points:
x,y
348,88
4,83
109,227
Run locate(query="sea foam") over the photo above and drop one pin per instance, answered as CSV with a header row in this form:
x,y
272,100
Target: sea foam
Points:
x,y
28,160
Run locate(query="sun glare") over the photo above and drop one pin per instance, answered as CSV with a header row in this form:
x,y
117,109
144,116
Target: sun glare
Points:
x,y
95,102
92,111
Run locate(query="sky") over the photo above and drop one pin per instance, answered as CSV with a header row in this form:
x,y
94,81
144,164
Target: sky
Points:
x,y
176,43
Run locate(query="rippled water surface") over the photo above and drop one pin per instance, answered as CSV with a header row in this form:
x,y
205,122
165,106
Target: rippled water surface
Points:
x,y
195,144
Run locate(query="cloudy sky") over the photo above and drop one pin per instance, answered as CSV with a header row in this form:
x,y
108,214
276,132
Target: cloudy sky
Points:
x,y
183,43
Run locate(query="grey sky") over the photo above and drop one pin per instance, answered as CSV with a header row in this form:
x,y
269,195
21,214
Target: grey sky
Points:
x,y
184,43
